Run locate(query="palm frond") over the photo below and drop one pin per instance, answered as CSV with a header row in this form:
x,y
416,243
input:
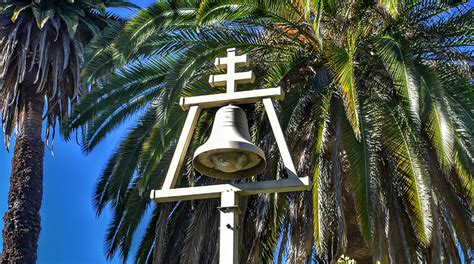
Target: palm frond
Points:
x,y
320,140
438,125
343,66
330,214
400,143
42,51
118,174
145,248
363,166
160,16
101,57
401,69
120,97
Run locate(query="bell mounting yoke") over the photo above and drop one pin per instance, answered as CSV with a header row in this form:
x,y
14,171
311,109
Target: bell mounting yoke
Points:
x,y
229,193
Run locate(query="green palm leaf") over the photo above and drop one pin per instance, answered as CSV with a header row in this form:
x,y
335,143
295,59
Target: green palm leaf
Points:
x,y
400,143
397,61
320,139
115,178
440,129
363,162
343,66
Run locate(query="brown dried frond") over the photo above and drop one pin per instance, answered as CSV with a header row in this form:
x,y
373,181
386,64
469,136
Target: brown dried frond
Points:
x,y
43,60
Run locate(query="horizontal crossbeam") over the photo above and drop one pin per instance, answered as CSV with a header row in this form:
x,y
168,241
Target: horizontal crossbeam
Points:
x,y
243,97
237,78
237,60
243,189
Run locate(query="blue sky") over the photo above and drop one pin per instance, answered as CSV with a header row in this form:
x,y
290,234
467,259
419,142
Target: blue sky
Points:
x,y
71,232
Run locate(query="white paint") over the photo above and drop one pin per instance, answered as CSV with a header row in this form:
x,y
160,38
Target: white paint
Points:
x,y
229,228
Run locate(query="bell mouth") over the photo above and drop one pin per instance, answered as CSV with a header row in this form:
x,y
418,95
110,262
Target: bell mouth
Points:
x,y
229,163
229,153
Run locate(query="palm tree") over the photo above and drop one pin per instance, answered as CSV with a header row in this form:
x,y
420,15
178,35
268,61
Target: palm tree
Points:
x,y
378,110
41,49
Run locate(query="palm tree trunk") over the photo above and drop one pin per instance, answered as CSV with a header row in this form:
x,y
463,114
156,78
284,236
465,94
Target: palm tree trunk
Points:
x,y
356,248
22,220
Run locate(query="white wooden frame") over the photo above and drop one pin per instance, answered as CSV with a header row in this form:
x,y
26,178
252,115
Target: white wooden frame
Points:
x,y
229,193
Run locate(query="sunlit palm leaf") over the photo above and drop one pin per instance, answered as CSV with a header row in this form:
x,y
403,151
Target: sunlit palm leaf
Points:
x,y
438,125
402,146
343,66
396,59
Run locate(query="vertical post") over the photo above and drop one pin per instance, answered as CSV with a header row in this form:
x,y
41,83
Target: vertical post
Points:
x,y
231,70
229,228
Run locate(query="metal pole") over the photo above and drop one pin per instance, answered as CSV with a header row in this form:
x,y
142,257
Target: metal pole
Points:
x,y
229,228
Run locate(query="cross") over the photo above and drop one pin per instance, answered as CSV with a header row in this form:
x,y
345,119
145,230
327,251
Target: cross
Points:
x,y
231,78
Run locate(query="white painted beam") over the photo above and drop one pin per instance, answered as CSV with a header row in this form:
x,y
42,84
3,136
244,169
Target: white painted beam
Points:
x,y
236,78
243,97
229,228
280,138
181,147
231,59
243,189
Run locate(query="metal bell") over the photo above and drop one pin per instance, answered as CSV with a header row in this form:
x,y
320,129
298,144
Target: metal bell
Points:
x,y
229,153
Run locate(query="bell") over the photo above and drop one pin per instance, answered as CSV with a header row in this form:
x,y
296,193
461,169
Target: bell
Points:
x,y
229,152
